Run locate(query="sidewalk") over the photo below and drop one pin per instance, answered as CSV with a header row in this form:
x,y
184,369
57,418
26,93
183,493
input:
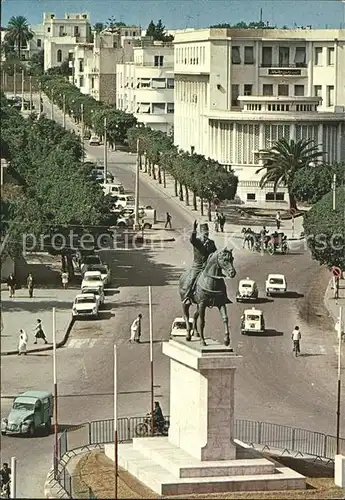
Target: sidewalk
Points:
x,y
23,312
332,304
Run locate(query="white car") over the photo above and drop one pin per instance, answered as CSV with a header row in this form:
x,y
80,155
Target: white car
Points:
x,y
97,291
84,305
94,140
93,278
275,284
103,269
178,328
124,201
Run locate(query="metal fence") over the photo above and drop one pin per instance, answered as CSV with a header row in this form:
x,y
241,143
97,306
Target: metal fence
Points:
x,y
292,440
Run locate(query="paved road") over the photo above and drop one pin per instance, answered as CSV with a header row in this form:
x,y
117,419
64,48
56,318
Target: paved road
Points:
x,y
271,386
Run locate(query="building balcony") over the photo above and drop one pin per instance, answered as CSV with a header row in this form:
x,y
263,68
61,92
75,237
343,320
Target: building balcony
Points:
x,y
298,70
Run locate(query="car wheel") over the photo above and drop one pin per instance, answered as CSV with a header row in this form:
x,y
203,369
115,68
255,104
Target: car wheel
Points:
x,y
31,430
122,225
243,332
147,226
3,433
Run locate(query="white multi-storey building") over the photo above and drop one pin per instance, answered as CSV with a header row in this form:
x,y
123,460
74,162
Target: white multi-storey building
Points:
x,y
146,86
237,91
62,35
95,63
33,46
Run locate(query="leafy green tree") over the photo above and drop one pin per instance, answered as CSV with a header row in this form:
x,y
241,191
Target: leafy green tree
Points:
x,y
325,230
98,27
311,183
36,64
158,32
19,33
284,159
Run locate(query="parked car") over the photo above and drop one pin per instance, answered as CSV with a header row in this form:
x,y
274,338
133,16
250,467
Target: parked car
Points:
x,y
92,277
94,140
84,305
178,327
91,259
113,189
247,290
125,200
103,269
30,410
276,284
97,291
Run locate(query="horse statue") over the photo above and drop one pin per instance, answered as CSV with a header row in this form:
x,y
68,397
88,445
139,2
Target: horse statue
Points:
x,y
209,290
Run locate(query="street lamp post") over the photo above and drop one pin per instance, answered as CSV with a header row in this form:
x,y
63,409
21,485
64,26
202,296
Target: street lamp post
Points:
x,y
30,89
82,127
339,378
13,484
52,105
136,206
40,99
15,80
64,111
22,108
105,151
334,187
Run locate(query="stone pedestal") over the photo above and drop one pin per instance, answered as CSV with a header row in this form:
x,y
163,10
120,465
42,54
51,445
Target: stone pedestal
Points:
x,y
202,398
200,455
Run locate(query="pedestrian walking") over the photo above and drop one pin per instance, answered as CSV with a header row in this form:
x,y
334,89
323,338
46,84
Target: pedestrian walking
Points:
x,y
296,339
23,342
216,221
11,283
39,333
64,279
30,285
278,220
222,222
136,329
168,221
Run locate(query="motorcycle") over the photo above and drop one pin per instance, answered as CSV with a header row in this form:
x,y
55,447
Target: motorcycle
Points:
x,y
144,428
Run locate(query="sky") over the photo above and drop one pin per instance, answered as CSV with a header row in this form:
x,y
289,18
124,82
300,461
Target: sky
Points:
x,y
181,14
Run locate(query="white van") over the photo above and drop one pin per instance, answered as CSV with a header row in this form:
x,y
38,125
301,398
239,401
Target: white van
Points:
x,y
113,189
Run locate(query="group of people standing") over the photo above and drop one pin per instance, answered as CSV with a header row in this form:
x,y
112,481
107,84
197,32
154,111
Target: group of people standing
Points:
x,y
12,285
219,222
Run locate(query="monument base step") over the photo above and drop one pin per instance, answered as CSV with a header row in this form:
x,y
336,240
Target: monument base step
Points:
x,y
148,463
181,464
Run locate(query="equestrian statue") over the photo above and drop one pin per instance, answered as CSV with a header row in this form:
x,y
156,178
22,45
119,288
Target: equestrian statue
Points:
x,y
203,284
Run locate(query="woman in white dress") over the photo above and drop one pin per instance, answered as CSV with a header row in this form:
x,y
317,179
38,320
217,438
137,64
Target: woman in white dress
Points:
x,y
23,342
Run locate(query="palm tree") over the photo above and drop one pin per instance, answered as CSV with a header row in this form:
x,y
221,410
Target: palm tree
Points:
x,y
284,159
19,33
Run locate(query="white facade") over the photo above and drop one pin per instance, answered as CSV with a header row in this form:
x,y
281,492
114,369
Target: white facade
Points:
x,y
236,91
62,35
34,46
145,87
94,71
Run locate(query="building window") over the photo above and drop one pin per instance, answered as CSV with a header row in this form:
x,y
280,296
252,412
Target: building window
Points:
x,y
249,55
59,56
248,89
158,108
144,107
81,81
81,66
76,31
170,107
299,90
48,30
70,56
39,43
267,89
283,89
235,92
318,56
170,83
61,30
145,83
330,56
266,57
330,95
300,56
158,60
251,196
317,90
235,55
275,196
284,57
158,83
